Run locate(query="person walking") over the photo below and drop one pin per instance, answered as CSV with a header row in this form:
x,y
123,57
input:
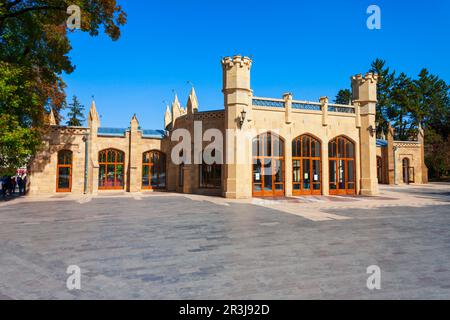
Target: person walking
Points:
x,y
4,186
20,185
12,186
24,178
1,186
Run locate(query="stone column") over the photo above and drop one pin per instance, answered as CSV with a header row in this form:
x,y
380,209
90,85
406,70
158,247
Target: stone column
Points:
x,y
325,169
288,107
423,167
324,103
93,167
391,156
365,94
135,156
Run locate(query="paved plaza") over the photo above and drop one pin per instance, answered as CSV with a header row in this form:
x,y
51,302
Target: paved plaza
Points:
x,y
173,246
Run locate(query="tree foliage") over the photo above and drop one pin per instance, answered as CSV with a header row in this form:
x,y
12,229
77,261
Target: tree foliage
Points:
x,y
405,103
34,54
344,96
76,113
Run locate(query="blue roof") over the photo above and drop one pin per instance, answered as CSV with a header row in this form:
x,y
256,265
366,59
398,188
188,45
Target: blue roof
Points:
x,y
115,132
150,133
120,132
381,143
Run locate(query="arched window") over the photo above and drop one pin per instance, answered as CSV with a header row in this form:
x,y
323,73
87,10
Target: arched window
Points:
x,y
268,165
153,170
64,171
380,169
306,166
342,166
210,174
111,169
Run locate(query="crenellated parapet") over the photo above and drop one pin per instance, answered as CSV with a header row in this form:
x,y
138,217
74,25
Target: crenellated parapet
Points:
x,y
237,61
365,87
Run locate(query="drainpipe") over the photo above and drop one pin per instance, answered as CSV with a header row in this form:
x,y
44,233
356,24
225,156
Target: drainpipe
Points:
x,y
395,165
86,162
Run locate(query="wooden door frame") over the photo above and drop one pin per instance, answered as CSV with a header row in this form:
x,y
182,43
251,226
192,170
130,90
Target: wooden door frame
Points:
x,y
273,159
70,166
106,164
345,159
151,165
311,159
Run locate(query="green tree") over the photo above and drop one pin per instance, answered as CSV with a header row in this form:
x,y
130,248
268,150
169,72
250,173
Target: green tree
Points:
x,y
402,109
432,111
75,114
34,53
384,88
18,139
344,96
433,103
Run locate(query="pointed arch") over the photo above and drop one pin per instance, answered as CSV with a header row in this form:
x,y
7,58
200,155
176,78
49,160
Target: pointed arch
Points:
x,y
111,173
154,170
268,165
342,165
306,165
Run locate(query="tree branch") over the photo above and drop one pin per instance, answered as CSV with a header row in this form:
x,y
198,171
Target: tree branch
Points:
x,y
25,10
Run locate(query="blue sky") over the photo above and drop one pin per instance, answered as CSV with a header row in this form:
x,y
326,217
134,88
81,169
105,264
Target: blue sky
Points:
x,y
309,48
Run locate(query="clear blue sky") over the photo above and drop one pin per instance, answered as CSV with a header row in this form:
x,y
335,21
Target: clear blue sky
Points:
x,y
310,48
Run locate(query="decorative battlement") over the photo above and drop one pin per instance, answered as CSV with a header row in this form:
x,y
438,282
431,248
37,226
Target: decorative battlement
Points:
x,y
238,60
372,77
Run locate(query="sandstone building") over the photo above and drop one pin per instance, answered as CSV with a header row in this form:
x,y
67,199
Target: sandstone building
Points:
x,y
290,148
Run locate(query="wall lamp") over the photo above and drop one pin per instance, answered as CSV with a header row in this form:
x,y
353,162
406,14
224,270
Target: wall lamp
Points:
x,y
242,118
372,130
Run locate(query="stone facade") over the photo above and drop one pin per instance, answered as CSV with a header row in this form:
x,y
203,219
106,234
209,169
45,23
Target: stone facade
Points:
x,y
245,117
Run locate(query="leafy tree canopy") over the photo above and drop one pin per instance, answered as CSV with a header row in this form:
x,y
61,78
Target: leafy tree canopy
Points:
x,y
344,96
34,53
405,103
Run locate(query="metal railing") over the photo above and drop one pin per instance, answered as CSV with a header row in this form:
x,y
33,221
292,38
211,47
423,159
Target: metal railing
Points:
x,y
341,108
268,103
306,105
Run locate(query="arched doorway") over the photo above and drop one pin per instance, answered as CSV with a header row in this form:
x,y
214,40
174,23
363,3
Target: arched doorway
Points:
x,y
408,171
111,169
268,165
306,166
380,169
341,152
153,170
64,171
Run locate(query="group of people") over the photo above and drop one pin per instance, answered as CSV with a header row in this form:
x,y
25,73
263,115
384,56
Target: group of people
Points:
x,y
8,185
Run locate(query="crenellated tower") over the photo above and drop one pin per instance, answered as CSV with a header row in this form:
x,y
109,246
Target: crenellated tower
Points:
x,y
365,98
237,99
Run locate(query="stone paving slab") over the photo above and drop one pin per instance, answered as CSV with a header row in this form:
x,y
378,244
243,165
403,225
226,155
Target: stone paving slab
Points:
x,y
167,246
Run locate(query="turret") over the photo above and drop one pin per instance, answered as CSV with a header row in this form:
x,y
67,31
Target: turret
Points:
x,y
177,111
237,101
134,124
167,118
192,104
365,98
51,118
93,119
